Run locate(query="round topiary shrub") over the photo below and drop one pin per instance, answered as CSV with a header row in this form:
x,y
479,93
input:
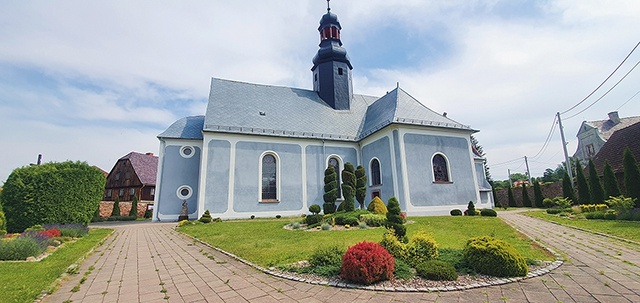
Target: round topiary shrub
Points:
x,y
494,257
366,263
313,219
455,212
437,270
314,209
471,209
422,248
376,206
206,217
488,212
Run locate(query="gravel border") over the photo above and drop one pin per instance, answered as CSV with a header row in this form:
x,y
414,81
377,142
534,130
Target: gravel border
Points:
x,y
399,285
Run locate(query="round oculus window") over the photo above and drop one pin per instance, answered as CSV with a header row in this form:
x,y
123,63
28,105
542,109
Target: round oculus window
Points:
x,y
184,192
187,151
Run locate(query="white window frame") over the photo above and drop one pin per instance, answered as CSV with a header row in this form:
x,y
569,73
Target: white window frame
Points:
x,y
446,160
179,192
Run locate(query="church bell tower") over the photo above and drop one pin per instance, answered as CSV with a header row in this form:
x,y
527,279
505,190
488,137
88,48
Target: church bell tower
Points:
x,y
331,65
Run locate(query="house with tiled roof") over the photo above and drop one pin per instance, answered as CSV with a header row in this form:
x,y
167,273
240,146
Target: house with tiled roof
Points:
x,y
592,135
612,151
133,175
262,150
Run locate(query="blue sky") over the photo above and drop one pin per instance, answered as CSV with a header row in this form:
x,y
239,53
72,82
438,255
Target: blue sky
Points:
x,y
92,81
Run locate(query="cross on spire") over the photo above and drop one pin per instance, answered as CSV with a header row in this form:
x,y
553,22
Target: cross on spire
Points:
x,y
328,7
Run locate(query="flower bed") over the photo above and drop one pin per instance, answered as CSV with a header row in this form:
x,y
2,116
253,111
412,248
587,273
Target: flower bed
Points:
x,y
36,241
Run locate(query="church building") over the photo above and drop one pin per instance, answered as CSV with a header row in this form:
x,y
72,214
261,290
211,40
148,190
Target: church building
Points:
x,y
262,150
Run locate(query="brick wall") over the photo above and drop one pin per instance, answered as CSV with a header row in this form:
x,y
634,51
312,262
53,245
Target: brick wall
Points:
x,y
106,207
549,190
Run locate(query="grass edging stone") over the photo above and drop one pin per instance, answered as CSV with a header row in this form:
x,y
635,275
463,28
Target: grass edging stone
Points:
x,y
325,282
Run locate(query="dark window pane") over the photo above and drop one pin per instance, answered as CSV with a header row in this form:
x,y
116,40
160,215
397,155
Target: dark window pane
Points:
x,y
440,171
375,172
269,177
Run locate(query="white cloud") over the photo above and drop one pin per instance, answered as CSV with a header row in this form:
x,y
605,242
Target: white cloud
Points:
x,y
96,80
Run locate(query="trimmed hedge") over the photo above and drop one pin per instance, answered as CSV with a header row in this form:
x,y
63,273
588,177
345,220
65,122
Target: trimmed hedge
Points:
x,y
313,219
437,271
206,217
494,257
327,256
373,220
455,212
488,212
65,192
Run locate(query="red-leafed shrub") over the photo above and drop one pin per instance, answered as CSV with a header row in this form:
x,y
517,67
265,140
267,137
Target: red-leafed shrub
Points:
x,y
51,233
366,263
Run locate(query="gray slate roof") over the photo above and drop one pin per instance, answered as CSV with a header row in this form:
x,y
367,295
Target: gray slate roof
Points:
x,y
246,108
185,128
606,128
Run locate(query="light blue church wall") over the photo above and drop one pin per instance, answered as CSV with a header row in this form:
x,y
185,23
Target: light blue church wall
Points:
x,y
246,191
380,149
216,198
419,150
176,172
317,157
399,169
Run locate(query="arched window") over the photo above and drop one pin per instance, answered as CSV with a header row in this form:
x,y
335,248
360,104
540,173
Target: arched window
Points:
x,y
440,169
335,163
269,177
374,168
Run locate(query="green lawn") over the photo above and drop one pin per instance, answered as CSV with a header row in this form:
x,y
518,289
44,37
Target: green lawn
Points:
x,y
267,243
624,229
25,281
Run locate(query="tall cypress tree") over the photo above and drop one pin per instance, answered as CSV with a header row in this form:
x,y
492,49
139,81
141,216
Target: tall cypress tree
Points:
x,y
597,192
537,194
584,193
631,176
361,185
611,188
348,186
512,199
330,191
526,201
567,188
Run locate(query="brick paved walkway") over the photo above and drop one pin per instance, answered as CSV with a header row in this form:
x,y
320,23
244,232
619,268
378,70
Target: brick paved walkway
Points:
x,y
150,262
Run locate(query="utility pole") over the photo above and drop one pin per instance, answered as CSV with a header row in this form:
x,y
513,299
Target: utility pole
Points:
x,y
528,172
564,148
509,172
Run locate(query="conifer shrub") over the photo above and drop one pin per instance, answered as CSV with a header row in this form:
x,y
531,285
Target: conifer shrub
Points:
x,y
394,219
391,243
455,212
330,190
597,192
367,263
548,203
537,195
373,220
526,200
567,188
206,217
621,204
631,175
327,256
314,209
511,198
610,214
361,185
488,212
133,212
494,257
346,218
421,248
313,219
377,206
437,271
471,209
584,192
611,188
115,212
594,215
348,187
3,224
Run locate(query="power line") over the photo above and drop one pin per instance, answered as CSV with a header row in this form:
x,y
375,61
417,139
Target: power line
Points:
x,y
506,162
603,82
607,92
546,142
625,102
